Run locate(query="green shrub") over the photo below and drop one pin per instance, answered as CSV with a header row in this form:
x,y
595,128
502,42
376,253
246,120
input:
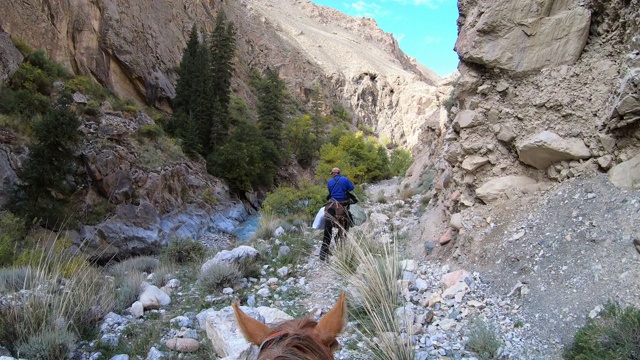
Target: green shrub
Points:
x,y
360,158
88,87
267,225
375,285
33,79
381,198
41,60
399,162
23,102
303,201
150,131
615,335
22,46
12,233
127,105
219,275
128,287
182,251
483,340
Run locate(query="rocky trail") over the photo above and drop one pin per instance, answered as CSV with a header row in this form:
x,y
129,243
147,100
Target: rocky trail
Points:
x,y
528,271
532,268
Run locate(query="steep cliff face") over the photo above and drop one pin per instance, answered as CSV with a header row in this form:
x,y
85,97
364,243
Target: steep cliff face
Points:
x,y
547,90
133,47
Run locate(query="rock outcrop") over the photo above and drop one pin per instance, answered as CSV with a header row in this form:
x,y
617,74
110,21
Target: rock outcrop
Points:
x,y
10,57
547,91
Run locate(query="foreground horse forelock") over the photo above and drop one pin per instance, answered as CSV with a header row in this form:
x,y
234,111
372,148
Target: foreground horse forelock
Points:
x,y
303,339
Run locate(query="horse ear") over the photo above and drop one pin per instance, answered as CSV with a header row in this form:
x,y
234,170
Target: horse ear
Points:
x,y
253,330
333,322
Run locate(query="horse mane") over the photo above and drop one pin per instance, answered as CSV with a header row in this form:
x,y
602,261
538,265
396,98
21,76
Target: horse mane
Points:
x,y
298,343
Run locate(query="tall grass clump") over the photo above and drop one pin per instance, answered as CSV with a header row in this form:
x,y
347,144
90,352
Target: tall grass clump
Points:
x,y
615,334
268,223
483,340
128,277
56,299
219,275
184,251
376,294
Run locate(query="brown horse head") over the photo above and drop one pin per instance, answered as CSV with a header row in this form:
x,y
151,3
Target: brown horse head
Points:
x,y
295,339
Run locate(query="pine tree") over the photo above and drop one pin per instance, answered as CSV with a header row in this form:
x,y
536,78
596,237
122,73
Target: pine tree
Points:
x,y
45,186
271,115
187,75
222,48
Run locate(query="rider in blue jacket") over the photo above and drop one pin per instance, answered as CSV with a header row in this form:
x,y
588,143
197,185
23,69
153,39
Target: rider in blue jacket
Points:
x,y
338,186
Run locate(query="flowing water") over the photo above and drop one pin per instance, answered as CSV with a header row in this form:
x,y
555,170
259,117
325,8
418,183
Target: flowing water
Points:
x,y
247,228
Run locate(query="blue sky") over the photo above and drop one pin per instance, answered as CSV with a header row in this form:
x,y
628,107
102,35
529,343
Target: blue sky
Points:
x,y
425,29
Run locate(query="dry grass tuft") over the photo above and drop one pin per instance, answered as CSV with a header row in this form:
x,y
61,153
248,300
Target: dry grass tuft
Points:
x,y
376,293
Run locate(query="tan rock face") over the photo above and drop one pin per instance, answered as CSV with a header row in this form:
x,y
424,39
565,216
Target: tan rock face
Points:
x,y
130,46
522,35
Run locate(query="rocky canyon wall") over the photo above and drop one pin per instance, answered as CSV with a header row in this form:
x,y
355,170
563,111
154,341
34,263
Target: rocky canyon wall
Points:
x,y
547,90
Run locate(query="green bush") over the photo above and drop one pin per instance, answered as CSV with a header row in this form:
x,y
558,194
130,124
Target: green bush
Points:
x,y
15,279
127,105
33,79
615,335
483,340
183,251
151,131
12,233
22,46
88,87
82,297
360,158
41,60
128,287
400,160
303,201
23,102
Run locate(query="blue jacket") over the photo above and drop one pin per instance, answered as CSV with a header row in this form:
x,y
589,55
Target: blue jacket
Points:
x,y
338,187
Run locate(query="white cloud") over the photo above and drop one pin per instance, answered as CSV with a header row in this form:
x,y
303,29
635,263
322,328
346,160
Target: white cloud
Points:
x,y
428,40
434,4
366,9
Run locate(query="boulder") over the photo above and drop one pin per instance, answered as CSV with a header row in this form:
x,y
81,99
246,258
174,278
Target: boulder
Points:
x,y
474,162
241,254
225,336
497,188
183,344
152,297
626,174
466,119
546,148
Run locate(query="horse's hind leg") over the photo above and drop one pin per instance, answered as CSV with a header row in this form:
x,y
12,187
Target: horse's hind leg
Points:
x,y
328,232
